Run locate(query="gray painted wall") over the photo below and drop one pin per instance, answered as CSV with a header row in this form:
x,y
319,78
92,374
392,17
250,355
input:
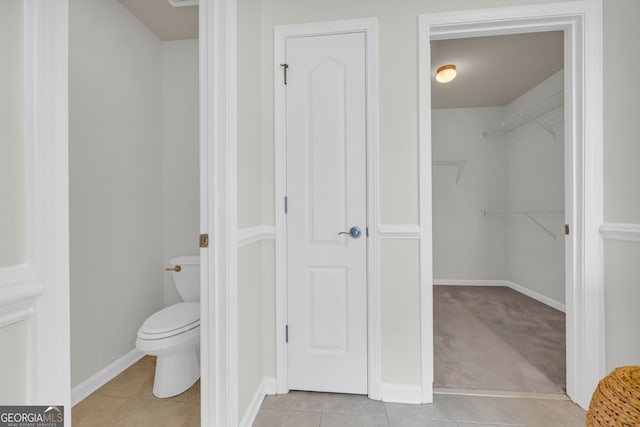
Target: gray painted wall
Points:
x,y
12,193
115,182
466,244
13,363
621,179
251,278
180,155
12,199
535,182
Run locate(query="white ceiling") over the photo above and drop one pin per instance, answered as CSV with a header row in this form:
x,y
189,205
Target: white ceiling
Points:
x,y
492,71
165,21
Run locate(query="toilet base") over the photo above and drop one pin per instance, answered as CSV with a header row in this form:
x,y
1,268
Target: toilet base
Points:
x,y
176,372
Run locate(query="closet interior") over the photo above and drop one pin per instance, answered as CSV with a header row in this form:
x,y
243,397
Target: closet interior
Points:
x,y
498,155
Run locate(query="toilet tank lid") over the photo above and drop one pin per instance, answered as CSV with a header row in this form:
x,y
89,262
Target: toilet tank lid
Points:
x,y
190,259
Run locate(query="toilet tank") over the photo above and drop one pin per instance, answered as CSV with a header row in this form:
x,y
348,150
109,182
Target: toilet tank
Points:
x,y
187,280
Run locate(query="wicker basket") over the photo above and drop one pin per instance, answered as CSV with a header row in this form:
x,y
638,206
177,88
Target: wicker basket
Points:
x,y
616,401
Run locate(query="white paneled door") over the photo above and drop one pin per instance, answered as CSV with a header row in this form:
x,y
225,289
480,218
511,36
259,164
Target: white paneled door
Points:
x,y
327,212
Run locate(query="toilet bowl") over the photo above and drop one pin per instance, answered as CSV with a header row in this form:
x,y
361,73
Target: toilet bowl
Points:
x,y
173,333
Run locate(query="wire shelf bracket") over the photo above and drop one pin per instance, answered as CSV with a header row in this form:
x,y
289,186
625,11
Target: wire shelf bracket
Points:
x,y
459,163
531,215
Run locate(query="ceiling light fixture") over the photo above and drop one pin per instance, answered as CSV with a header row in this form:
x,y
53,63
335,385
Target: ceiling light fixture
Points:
x,y
446,73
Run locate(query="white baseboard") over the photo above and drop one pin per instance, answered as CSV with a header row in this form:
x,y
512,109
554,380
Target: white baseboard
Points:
x,y
458,282
538,297
427,392
518,288
270,386
94,382
401,393
267,386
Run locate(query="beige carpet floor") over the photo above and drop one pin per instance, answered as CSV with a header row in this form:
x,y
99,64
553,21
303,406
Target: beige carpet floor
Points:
x,y
494,338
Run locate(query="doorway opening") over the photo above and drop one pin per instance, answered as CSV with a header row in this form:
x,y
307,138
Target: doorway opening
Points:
x,y
583,170
498,214
134,156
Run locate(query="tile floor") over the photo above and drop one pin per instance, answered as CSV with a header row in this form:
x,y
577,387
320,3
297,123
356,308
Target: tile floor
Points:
x,y
304,409
127,401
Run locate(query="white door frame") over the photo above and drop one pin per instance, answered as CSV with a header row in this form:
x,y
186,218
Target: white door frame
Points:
x,y
218,213
37,290
369,27
581,22
47,167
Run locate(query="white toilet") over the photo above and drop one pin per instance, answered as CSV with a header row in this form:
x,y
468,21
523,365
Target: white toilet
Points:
x,y
173,333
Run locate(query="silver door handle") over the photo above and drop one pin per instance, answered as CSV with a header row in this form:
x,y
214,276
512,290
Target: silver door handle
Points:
x,y
354,232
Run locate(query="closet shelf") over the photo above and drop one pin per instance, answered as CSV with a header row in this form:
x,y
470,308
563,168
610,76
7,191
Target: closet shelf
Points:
x,y
459,163
531,114
531,215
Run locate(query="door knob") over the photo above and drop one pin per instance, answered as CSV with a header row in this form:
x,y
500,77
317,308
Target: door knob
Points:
x,y
354,232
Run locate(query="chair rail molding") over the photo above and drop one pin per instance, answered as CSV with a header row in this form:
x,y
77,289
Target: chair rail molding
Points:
x,y
621,232
399,231
19,290
249,235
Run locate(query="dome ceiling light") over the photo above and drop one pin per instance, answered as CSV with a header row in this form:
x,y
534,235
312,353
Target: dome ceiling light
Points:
x,y
446,73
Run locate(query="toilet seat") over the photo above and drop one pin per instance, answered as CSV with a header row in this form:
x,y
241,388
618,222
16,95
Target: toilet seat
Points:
x,y
171,321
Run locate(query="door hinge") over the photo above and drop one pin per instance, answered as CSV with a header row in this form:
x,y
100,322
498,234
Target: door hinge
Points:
x,y
286,333
566,229
285,66
367,228
204,240
286,204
